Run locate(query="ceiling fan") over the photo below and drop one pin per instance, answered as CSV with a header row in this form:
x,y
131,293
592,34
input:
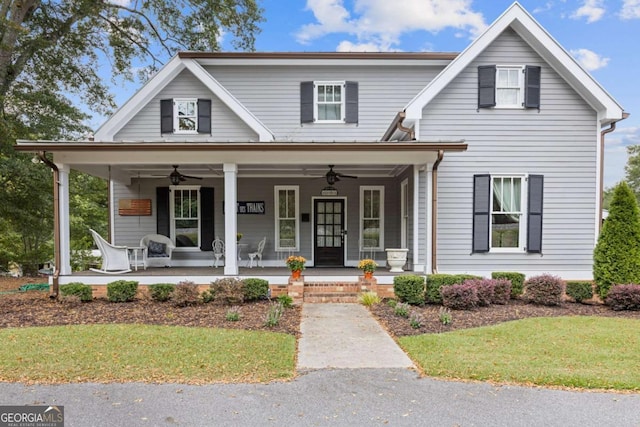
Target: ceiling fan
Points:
x,y
333,177
176,177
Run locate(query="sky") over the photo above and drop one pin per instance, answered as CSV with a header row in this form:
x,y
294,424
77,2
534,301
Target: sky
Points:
x,y
603,35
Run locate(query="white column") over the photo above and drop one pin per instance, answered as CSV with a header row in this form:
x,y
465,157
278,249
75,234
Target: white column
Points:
x,y
230,219
63,212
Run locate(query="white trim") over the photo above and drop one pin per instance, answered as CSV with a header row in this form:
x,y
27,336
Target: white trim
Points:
x,y
541,41
404,213
598,203
230,171
172,219
345,237
519,105
276,216
176,116
264,134
316,102
422,261
63,212
380,246
522,224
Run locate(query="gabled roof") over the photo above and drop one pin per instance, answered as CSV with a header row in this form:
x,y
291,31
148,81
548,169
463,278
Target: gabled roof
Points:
x,y
170,71
518,19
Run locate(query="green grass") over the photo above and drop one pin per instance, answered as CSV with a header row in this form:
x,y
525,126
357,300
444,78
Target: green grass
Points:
x,y
584,352
145,353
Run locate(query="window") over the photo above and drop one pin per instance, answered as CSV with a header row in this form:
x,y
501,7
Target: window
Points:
x,y
185,116
329,102
507,213
287,215
508,86
185,216
372,217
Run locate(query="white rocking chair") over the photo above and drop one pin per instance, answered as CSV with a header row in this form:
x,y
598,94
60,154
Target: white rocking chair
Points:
x,y
257,254
218,250
115,259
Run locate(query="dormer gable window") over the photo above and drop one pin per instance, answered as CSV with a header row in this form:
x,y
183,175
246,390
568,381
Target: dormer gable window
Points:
x,y
329,102
508,86
185,116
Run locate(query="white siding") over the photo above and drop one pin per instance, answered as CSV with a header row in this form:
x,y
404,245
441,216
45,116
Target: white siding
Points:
x,y
559,142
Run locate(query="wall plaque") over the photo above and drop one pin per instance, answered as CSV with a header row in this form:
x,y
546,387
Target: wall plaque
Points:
x,y
134,207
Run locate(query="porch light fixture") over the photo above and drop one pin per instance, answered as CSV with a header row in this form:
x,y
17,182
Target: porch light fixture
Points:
x,y
175,177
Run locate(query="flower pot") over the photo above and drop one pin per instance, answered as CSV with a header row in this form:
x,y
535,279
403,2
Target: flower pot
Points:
x,y
295,274
396,258
368,275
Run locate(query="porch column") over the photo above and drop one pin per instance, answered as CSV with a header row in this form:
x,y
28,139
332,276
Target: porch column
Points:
x,y
230,219
63,214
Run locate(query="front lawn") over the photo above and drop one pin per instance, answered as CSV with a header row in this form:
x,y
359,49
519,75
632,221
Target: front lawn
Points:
x,y
147,353
585,352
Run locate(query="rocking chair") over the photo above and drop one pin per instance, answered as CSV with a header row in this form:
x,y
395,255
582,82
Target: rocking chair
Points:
x,y
115,259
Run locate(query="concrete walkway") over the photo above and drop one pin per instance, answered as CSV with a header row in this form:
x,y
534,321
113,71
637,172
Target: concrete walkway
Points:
x,y
345,336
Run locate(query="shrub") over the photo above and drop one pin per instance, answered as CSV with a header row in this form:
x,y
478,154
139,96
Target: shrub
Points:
x,y
460,297
416,320
616,257
70,300
484,288
161,291
254,289
624,297
544,289
228,291
392,302
401,309
122,290
274,314
185,293
444,315
579,290
517,281
233,314
82,291
368,299
285,300
501,291
436,281
409,288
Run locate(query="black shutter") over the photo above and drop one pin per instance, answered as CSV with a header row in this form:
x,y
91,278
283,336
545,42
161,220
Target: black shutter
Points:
x,y
351,101
204,116
166,116
206,222
306,102
532,87
534,213
486,86
481,212
162,211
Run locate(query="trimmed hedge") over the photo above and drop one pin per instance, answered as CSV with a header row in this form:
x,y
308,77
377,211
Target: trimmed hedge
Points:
x,y
122,290
544,289
161,291
185,293
517,281
229,291
501,291
484,288
579,290
409,288
624,297
82,291
437,281
254,289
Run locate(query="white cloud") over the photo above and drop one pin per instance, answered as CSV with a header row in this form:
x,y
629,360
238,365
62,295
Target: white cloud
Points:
x,y
124,3
630,9
383,22
591,9
347,46
589,60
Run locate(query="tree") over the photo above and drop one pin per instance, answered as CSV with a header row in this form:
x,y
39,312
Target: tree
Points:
x,y
617,254
632,169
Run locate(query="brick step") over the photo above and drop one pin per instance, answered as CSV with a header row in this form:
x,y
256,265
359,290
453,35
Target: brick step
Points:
x,y
346,297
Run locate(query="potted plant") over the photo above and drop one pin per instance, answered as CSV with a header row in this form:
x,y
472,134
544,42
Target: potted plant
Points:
x,y
296,265
238,237
368,266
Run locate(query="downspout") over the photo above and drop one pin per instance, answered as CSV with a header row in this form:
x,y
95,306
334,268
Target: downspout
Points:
x,y
434,211
611,128
56,222
409,131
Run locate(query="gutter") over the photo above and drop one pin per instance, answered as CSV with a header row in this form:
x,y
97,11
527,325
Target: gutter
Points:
x,y
56,222
611,128
434,211
396,124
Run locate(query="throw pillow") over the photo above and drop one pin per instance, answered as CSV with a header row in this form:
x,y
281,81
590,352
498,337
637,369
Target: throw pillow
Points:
x,y
156,248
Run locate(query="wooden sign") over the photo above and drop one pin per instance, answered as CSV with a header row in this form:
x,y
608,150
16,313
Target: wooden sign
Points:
x,y
134,207
249,208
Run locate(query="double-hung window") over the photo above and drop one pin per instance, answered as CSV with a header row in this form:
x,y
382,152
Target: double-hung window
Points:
x,y
372,217
507,219
509,86
185,113
185,216
287,218
329,102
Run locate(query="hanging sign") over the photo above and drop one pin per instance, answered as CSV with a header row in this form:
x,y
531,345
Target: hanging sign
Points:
x,y
249,208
